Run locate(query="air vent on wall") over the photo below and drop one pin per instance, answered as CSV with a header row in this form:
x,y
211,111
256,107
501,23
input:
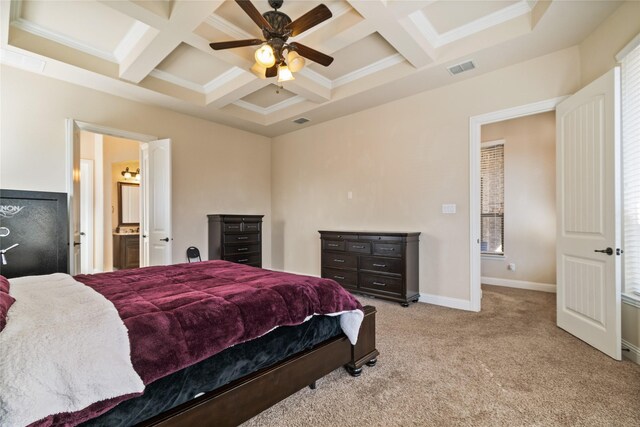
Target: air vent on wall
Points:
x,y
301,120
459,68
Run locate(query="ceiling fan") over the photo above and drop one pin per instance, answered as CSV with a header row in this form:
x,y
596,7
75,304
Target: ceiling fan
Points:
x,y
276,28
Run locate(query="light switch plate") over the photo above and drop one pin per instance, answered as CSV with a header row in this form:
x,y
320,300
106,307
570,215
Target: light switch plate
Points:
x,y
448,208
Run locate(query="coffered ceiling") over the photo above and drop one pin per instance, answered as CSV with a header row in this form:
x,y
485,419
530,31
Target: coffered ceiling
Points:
x,y
158,51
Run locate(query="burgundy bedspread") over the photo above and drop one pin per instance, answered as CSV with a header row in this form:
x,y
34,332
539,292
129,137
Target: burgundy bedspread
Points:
x,y
181,314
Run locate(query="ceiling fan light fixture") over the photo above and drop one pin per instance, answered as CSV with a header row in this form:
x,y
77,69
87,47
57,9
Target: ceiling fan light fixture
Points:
x,y
259,70
295,61
284,74
264,56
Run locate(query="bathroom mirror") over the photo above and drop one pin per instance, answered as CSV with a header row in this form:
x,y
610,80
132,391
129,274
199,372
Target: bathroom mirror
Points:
x,y
128,204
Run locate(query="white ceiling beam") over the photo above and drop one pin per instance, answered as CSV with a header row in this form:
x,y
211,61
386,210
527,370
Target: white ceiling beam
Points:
x,y
377,12
235,89
151,50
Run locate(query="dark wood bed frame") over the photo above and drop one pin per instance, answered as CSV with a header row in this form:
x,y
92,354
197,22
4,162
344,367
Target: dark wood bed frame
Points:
x,y
246,397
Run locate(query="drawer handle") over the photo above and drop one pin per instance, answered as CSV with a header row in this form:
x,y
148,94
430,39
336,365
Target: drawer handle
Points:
x,y
242,249
358,247
388,249
339,277
243,260
233,227
380,265
242,237
338,260
379,284
333,245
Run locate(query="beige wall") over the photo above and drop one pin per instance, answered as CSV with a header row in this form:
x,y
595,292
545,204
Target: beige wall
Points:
x,y
402,161
598,50
216,169
529,199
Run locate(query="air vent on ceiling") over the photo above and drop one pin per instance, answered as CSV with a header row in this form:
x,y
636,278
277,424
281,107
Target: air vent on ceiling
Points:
x,y
460,68
301,120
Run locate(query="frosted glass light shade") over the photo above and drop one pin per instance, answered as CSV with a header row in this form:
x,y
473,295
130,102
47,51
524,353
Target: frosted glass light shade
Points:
x,y
295,61
259,70
265,56
284,74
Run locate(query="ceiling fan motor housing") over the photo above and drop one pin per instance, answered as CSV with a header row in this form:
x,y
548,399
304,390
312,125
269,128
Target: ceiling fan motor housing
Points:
x,y
278,22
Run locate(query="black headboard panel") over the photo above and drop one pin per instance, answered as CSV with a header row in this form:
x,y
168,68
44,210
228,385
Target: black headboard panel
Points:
x,y
38,223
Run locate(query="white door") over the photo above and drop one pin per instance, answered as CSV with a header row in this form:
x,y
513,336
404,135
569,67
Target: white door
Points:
x,y
73,156
156,239
588,207
86,216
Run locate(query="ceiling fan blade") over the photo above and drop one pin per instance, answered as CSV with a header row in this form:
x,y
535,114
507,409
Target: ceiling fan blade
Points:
x,y
235,43
272,71
310,19
254,14
312,54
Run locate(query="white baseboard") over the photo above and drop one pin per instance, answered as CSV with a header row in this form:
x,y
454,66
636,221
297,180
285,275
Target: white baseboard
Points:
x,y
460,304
634,352
520,284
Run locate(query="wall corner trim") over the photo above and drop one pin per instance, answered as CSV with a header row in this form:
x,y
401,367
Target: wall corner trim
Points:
x,y
520,284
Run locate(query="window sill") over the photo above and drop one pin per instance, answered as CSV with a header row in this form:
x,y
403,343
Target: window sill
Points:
x,y
631,299
492,257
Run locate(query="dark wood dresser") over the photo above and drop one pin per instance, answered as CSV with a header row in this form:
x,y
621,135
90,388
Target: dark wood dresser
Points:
x,y
126,251
236,238
379,264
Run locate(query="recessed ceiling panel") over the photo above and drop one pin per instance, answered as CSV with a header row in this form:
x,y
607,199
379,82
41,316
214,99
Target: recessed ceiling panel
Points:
x,y
192,65
268,96
448,15
355,57
88,23
159,7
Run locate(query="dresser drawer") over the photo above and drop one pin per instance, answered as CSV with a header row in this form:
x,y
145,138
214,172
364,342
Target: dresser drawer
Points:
x,y
378,238
250,226
241,238
337,236
233,227
348,279
378,283
359,247
387,249
339,260
244,259
241,249
383,265
333,245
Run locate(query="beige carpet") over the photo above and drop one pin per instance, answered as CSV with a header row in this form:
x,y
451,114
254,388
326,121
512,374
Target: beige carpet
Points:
x,y
508,366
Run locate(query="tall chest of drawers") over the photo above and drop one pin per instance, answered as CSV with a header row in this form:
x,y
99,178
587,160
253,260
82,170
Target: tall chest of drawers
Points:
x,y
379,264
236,238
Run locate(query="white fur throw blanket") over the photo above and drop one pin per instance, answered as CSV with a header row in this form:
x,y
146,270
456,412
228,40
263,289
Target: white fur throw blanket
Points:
x,y
64,348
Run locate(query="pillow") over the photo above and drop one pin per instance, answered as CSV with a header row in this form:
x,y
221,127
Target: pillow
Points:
x,y
6,301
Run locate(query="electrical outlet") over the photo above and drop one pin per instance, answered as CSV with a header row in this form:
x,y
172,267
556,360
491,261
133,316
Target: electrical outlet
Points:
x,y
511,266
448,208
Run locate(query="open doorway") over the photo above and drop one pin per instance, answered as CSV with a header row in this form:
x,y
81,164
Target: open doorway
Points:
x,y
518,202
475,141
110,204
149,160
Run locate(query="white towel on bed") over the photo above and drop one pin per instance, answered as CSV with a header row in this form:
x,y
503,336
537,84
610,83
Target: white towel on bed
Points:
x,y
64,348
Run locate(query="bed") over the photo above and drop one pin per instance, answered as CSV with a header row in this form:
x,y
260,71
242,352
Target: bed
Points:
x,y
174,317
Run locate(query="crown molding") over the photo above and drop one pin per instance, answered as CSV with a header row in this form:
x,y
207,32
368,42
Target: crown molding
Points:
x,y
129,41
62,39
171,78
218,22
380,65
271,109
316,77
15,10
223,79
438,40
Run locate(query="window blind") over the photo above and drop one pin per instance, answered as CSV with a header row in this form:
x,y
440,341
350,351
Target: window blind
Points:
x,y
492,198
631,168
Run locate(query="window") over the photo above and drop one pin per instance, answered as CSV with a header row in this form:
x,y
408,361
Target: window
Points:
x,y
492,198
631,171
